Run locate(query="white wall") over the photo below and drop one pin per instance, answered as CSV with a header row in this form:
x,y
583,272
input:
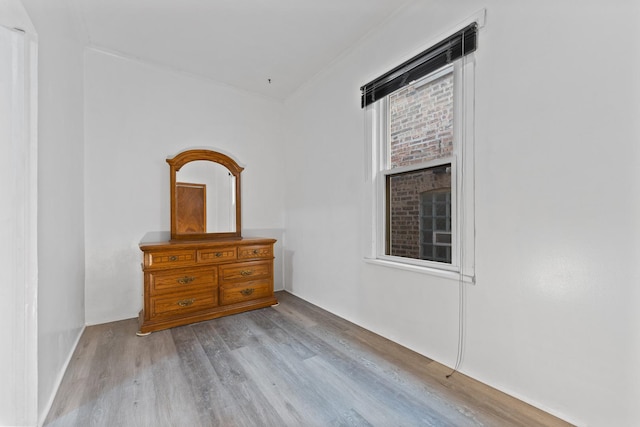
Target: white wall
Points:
x,y
18,217
137,115
60,192
553,318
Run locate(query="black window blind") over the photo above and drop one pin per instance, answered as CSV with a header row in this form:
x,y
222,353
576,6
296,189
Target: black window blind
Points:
x,y
442,53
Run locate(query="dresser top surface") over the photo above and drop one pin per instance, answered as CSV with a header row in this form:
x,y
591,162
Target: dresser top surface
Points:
x,y
153,241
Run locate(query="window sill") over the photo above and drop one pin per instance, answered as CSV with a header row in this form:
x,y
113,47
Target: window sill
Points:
x,y
445,274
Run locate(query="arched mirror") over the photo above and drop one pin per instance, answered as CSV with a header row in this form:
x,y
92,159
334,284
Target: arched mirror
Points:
x,y
205,195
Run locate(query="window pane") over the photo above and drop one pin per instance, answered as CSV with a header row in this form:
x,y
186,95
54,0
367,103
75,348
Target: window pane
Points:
x,y
441,209
442,237
441,197
442,253
421,122
419,211
440,223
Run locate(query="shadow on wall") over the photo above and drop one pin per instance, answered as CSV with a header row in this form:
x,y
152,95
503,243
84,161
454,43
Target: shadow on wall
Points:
x,y
288,270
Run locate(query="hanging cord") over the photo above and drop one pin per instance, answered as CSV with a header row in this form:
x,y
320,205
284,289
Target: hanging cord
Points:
x,y
461,328
461,211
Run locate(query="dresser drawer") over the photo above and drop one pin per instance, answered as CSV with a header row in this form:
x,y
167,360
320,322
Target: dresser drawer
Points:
x,y
168,259
217,255
184,280
255,251
232,293
245,271
185,303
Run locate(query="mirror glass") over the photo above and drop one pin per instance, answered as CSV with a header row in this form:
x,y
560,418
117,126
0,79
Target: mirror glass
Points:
x,y
205,198
205,195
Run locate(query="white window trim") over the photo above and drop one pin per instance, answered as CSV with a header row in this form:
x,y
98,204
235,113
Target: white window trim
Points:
x,y
463,188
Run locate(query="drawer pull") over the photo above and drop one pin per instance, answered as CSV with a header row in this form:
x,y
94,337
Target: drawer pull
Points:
x,y
173,258
186,280
255,252
247,292
218,254
186,302
246,273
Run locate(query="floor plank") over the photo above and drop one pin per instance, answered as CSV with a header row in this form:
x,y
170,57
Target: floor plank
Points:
x,y
290,365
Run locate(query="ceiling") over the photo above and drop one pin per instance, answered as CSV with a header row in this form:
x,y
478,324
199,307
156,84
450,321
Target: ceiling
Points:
x,y
270,47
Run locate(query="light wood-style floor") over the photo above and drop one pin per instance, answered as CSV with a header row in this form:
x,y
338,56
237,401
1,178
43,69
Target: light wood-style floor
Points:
x,y
290,365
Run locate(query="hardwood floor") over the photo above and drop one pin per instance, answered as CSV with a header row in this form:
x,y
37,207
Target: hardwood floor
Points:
x,y
290,365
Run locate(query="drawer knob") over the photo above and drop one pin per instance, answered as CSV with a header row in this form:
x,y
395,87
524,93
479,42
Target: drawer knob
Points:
x,y
186,280
173,258
255,252
186,302
218,254
247,292
246,273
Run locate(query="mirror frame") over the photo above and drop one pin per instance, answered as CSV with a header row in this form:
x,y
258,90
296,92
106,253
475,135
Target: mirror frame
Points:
x,y
181,159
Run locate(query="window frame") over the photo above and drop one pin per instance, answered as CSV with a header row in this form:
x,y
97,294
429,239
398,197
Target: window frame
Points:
x,y
422,216
462,182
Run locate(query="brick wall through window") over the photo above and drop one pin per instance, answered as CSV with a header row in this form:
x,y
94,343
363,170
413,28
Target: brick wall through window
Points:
x,y
420,129
421,122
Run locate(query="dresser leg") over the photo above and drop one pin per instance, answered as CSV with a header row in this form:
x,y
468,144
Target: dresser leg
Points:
x,y
142,334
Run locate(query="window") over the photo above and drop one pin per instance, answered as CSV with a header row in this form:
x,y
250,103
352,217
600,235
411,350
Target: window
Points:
x,y
420,161
435,225
419,150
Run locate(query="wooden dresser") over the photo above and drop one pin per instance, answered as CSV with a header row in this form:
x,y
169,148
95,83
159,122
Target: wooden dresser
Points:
x,y
192,281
